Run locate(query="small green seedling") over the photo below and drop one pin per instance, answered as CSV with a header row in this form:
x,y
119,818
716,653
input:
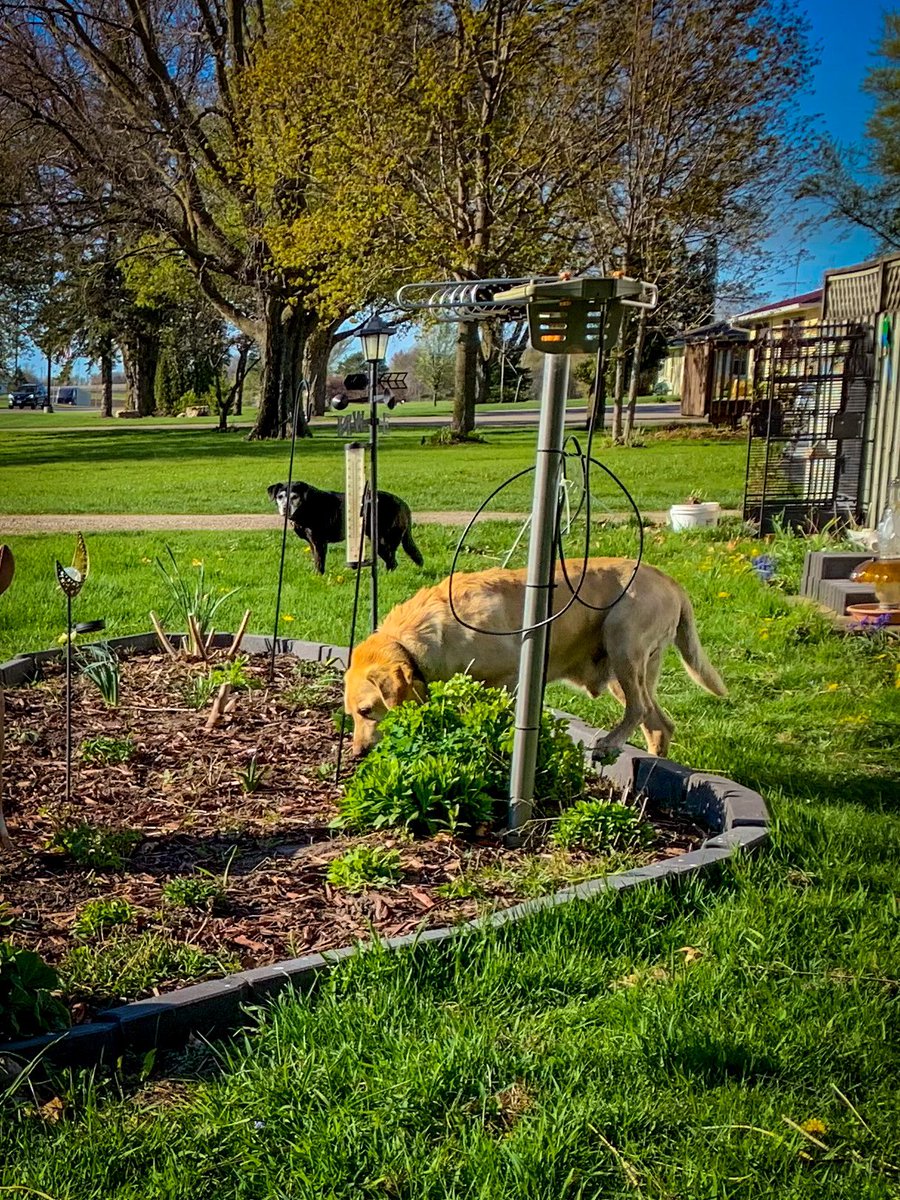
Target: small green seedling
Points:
x,y
252,777
92,846
365,867
97,917
106,750
200,893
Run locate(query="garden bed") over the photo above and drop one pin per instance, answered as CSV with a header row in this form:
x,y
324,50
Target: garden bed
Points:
x,y
227,866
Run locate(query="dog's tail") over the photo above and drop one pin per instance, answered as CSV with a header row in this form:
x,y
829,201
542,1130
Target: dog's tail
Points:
x,y
693,656
410,546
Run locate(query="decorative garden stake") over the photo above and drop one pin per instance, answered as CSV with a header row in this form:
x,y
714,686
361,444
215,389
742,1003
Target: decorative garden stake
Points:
x,y
71,580
7,570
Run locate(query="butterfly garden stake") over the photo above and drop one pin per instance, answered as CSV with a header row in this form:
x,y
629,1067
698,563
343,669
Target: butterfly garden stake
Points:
x,y
71,580
7,570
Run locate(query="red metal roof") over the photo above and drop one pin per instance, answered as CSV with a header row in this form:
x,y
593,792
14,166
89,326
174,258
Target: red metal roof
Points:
x,y
802,301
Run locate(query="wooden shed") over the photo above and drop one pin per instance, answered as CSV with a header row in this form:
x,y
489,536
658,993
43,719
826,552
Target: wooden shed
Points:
x,y
714,383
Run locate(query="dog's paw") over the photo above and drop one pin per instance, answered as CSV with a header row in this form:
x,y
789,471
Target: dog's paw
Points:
x,y
605,751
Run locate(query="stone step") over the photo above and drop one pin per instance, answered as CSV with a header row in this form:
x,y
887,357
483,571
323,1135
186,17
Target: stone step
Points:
x,y
827,564
838,594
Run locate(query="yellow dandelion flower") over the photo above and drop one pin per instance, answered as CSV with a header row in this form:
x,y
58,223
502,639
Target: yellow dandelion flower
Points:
x,y
287,617
814,1125
196,562
339,579
764,635
832,687
146,560
724,595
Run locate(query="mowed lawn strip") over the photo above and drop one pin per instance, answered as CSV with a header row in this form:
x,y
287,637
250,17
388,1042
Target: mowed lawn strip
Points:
x,y
734,1037
188,470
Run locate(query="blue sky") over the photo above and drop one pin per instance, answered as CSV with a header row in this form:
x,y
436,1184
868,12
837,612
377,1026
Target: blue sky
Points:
x,y
846,34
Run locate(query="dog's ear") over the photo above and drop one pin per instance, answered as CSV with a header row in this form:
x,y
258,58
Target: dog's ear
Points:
x,y
394,682
272,490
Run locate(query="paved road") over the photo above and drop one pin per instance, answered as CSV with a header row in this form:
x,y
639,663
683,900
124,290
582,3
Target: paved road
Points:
x,y
514,418
524,418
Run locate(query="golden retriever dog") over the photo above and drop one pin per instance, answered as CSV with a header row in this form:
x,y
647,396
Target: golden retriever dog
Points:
x,y
620,647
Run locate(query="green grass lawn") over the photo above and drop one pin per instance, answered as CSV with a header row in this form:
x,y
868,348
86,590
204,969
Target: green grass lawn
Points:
x,y
733,1038
183,470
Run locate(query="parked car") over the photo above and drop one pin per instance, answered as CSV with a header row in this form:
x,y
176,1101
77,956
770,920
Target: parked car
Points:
x,y
29,395
68,395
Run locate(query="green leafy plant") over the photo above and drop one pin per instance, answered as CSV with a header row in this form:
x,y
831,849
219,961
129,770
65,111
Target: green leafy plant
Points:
x,y
445,764
97,917
27,983
596,825
92,846
101,749
365,867
203,892
316,685
203,687
100,665
191,595
462,887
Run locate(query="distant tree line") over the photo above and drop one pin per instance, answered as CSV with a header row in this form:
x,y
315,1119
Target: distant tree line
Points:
x,y
189,181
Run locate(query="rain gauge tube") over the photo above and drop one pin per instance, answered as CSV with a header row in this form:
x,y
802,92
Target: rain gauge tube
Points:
x,y
355,489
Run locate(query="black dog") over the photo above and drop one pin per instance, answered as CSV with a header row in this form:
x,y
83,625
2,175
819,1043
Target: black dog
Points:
x,y
318,517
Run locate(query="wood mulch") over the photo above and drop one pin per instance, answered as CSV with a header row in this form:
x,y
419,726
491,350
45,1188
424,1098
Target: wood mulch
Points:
x,y
181,788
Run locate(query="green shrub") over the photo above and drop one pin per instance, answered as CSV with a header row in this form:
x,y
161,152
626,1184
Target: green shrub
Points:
x,y
445,764
92,846
27,1004
98,916
598,825
203,893
98,750
365,867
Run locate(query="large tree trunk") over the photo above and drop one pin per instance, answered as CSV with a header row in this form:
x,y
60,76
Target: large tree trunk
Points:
x,y
318,350
106,374
635,376
282,353
618,385
465,379
488,354
140,354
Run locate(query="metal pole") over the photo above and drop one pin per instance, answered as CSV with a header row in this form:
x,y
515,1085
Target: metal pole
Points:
x,y
301,387
373,490
68,697
538,590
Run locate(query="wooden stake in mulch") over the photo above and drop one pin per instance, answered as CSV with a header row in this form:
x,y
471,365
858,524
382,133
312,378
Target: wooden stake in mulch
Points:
x,y
161,634
195,638
7,570
220,705
239,636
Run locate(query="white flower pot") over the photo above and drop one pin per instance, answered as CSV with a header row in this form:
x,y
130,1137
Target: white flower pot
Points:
x,y
694,516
